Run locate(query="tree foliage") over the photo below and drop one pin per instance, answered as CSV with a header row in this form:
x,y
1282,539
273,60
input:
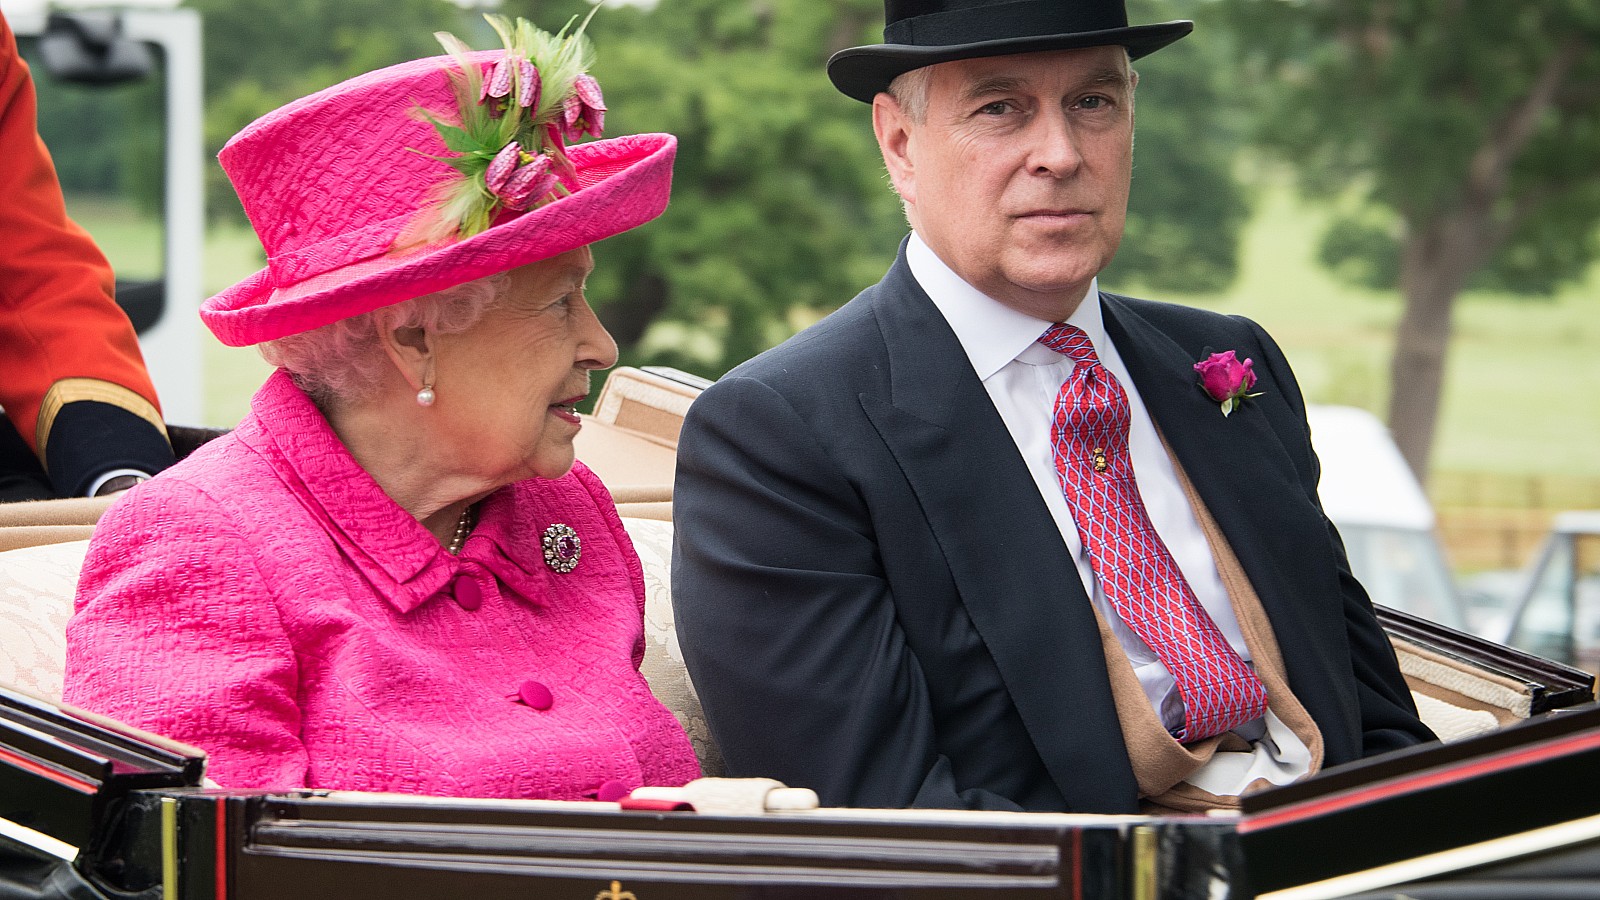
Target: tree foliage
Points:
x,y
1460,138
103,139
1186,210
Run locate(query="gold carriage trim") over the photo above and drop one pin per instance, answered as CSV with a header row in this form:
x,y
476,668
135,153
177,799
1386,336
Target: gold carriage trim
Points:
x,y
616,893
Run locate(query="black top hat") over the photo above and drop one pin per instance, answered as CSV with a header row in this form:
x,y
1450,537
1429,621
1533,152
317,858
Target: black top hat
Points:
x,y
919,33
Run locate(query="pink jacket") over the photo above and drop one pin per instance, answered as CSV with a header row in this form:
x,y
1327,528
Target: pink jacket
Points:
x,y
266,601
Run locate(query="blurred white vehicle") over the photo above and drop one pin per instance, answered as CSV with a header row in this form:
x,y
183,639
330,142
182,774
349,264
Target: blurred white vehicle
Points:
x,y
100,57
1383,515
1557,612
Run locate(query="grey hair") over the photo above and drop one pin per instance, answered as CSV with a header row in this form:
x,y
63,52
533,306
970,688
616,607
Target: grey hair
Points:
x,y
344,361
910,91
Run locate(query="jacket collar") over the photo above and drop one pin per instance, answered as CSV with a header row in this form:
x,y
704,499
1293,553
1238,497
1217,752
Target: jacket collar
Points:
x,y
402,560
1230,459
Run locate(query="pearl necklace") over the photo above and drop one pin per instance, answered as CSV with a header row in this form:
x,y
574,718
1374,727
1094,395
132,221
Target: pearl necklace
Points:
x,y
463,528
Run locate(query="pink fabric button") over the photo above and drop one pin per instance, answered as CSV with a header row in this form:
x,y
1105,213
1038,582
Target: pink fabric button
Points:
x,y
467,593
612,791
535,695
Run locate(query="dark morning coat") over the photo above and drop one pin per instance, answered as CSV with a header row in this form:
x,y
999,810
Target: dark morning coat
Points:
x,y
874,602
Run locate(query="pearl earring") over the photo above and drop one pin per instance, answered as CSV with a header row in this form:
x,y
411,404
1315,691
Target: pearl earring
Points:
x,y
425,397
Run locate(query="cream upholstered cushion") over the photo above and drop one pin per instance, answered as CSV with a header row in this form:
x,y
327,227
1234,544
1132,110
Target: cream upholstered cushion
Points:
x,y
1456,698
1451,722
67,511
36,588
663,660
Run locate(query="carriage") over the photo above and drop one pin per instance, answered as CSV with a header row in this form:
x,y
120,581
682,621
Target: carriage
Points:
x,y
1506,807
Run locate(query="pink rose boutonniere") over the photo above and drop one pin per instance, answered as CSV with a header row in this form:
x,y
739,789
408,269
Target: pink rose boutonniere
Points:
x,y
1227,380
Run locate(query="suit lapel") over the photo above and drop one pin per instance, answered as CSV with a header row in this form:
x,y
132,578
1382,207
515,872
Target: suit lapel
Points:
x,y
1015,578
1248,482
1222,454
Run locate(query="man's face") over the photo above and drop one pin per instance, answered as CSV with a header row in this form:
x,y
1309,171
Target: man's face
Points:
x,y
1017,176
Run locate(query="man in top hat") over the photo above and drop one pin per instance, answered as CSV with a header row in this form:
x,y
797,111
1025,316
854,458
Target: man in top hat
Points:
x,y
989,537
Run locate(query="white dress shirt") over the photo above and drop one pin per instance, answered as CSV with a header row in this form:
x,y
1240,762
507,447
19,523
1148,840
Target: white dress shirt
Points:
x,y
1023,378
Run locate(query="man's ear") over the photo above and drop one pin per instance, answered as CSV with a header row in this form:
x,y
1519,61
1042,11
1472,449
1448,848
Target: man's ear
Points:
x,y
412,350
893,128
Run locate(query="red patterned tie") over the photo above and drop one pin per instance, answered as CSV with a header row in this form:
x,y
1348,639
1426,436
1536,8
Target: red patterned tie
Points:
x,y
1136,571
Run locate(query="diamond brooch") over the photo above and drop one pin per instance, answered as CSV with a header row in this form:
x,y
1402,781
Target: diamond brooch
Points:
x,y
562,548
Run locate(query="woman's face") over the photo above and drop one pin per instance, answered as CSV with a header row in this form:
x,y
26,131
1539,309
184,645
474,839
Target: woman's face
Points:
x,y
507,385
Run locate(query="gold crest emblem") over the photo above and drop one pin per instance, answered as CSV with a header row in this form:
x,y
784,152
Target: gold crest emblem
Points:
x,y
616,893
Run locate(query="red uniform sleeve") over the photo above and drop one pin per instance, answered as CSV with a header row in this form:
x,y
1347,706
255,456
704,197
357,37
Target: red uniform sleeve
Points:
x,y
58,316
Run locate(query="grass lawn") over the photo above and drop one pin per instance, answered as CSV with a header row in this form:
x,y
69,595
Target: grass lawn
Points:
x,y
1523,387
130,239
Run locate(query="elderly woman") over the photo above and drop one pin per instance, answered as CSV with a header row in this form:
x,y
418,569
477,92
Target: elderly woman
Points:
x,y
392,576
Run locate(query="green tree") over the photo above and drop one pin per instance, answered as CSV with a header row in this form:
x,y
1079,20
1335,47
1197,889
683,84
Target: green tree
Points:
x,y
1187,209
1465,132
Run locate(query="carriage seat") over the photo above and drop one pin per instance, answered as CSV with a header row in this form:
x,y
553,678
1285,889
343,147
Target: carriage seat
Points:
x,y
630,442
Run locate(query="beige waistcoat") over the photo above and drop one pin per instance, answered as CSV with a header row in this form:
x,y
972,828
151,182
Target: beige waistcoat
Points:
x,y
1160,763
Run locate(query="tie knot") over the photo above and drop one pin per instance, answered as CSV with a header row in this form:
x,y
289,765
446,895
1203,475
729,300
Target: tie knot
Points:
x,y
1070,341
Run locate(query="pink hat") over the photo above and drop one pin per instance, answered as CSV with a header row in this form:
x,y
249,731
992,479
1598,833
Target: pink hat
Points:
x,y
339,184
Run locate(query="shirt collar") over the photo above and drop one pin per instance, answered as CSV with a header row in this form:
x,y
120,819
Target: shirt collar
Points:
x,y
991,333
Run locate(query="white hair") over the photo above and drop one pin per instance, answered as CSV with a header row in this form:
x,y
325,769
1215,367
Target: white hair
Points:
x,y
344,360
910,91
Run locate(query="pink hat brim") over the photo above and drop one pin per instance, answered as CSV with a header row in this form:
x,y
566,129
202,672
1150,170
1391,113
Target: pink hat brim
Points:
x,y
623,182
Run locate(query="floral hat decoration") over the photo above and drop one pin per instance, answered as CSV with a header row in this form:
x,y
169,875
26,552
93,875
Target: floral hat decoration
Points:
x,y
429,174
516,118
